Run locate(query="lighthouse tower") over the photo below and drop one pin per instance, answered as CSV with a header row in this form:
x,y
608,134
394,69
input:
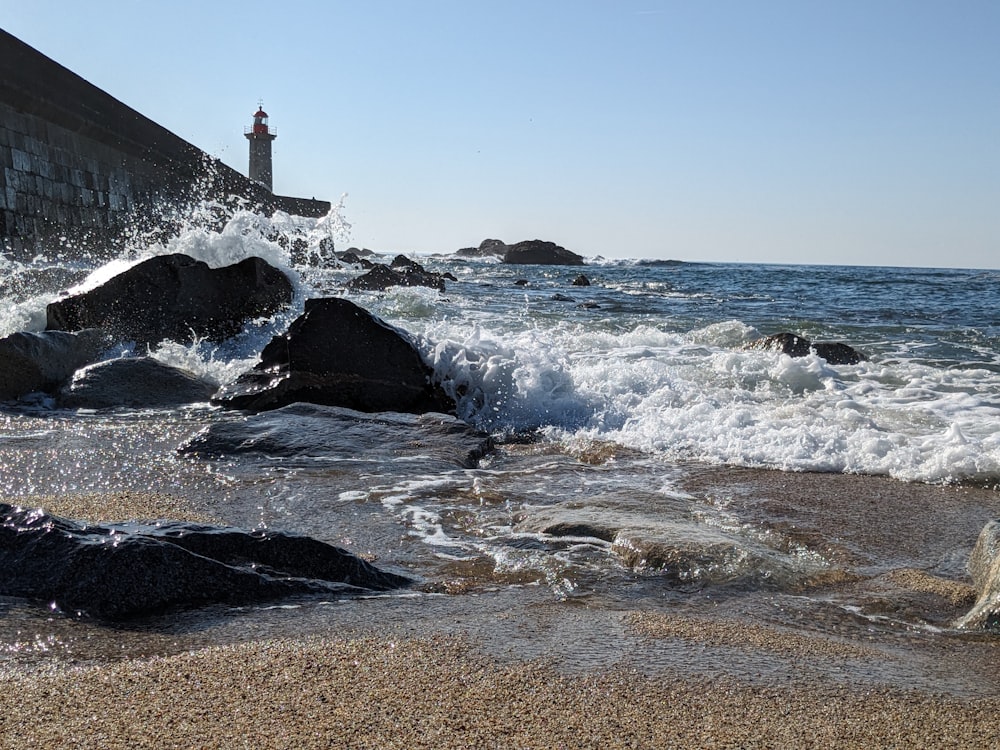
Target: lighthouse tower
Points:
x,y
260,136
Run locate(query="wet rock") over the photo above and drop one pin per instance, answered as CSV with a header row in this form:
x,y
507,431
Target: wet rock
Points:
x,y
581,280
833,352
522,282
434,442
410,273
134,382
352,258
338,354
120,571
984,567
176,297
31,362
541,252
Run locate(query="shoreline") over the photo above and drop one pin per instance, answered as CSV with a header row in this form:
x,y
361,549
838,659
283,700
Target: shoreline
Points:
x,y
507,669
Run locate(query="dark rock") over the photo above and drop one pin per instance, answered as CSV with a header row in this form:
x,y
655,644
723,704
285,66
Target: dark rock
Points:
x,y
487,248
381,277
120,571
429,443
589,306
135,382
32,362
581,280
353,259
540,252
522,282
557,297
176,297
338,354
797,346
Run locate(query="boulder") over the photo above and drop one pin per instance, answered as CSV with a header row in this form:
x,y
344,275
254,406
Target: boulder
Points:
x,y
429,443
121,571
338,354
382,277
540,252
133,382
31,362
176,297
833,352
581,280
984,568
352,258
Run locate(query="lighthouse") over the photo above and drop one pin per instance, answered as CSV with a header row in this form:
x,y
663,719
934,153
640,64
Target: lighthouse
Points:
x,y
260,135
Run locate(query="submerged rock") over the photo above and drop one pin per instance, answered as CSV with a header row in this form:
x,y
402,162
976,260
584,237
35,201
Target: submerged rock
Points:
x,y
540,252
338,354
428,442
119,571
176,297
43,361
984,567
833,352
134,382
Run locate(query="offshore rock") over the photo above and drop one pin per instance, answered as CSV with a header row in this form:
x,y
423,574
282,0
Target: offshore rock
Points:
x,y
382,277
429,443
581,280
833,352
486,249
984,567
353,259
176,297
120,571
133,382
31,362
338,354
540,252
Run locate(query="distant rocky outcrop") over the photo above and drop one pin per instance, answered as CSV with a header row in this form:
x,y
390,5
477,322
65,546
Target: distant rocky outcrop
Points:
x,y
833,352
984,567
134,382
338,354
486,249
176,297
31,362
402,272
541,252
121,571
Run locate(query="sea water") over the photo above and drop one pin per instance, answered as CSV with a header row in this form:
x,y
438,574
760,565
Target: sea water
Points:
x,y
641,442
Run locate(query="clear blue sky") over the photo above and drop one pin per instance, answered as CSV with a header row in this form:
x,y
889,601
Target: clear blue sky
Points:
x,y
846,131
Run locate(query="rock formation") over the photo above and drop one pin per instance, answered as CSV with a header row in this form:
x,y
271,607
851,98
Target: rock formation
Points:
x,y
338,354
32,362
120,571
175,297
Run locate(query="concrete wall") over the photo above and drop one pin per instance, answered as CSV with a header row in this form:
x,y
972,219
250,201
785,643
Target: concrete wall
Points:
x,y
75,161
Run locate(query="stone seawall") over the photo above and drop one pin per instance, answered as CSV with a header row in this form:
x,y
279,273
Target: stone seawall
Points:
x,y
75,162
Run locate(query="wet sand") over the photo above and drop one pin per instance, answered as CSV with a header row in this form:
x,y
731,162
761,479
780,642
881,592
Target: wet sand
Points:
x,y
435,686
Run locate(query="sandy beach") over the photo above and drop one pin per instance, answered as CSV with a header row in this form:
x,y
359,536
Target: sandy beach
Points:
x,y
439,693
440,690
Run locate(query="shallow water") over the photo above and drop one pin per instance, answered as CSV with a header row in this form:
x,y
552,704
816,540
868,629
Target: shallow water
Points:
x,y
670,471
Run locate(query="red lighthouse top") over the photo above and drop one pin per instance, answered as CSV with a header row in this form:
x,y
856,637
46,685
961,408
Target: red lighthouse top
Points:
x,y
260,126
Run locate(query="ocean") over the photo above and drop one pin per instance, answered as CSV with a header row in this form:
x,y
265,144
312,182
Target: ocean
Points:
x,y
648,464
